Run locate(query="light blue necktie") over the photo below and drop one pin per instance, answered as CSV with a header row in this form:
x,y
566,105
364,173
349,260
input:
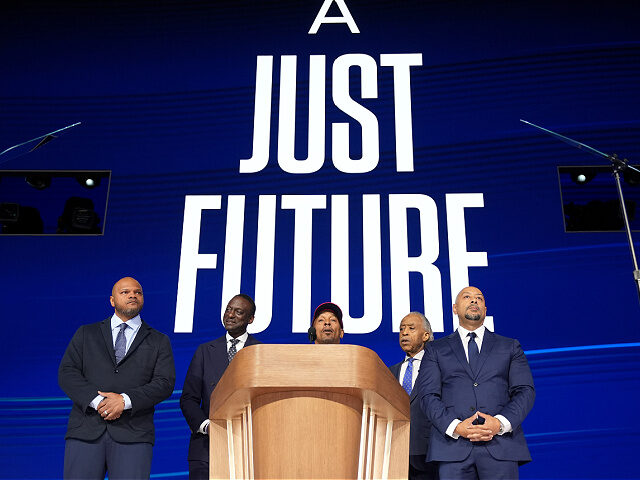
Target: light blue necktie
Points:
x,y
474,353
121,343
407,380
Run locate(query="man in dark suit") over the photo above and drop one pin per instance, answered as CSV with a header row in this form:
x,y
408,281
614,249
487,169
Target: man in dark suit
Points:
x,y
115,372
415,333
476,388
207,366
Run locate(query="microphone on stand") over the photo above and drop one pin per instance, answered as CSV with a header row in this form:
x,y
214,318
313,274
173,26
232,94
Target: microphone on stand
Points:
x,y
312,334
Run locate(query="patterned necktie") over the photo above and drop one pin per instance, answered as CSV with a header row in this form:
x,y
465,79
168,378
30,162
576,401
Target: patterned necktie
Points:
x,y
407,380
474,353
121,343
232,350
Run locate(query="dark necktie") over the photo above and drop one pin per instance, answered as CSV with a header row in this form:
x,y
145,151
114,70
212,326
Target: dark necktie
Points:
x,y
474,353
407,380
232,350
121,343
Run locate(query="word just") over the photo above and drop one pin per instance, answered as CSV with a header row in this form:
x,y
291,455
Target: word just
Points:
x,y
340,132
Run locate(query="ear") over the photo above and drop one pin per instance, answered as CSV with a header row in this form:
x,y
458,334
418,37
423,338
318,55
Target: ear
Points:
x,y
425,337
455,309
341,333
251,319
113,304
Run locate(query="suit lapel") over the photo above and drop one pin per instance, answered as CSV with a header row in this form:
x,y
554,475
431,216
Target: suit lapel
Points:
x,y
458,350
488,341
414,393
143,332
105,328
218,349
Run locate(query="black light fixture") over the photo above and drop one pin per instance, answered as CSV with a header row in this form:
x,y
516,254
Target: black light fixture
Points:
x,y
631,177
9,212
20,220
79,216
39,181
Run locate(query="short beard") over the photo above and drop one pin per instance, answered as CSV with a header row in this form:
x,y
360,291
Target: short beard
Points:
x,y
129,312
327,341
473,317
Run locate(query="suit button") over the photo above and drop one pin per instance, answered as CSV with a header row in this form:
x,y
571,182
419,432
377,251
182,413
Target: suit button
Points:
x,y
475,384
115,371
472,409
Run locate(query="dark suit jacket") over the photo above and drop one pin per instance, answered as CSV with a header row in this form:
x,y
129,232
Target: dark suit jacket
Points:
x,y
146,374
420,427
207,366
449,390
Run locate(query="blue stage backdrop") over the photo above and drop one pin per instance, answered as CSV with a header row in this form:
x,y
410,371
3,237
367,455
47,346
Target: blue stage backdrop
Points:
x,y
379,163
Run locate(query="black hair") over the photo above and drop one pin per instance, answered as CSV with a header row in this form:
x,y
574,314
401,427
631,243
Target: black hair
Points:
x,y
250,300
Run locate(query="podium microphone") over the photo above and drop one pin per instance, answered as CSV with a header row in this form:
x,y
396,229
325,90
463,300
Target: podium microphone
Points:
x,y
312,334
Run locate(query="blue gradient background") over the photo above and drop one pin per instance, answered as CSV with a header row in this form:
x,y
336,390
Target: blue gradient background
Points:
x,y
165,91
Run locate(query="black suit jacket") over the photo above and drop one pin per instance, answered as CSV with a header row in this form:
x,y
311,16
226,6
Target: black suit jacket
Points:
x,y
207,366
146,374
420,426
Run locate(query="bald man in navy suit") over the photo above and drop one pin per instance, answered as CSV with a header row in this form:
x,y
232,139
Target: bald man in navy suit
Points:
x,y
207,367
476,388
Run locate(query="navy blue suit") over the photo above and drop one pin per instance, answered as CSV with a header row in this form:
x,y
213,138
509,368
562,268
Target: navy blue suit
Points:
x,y
207,367
449,390
418,437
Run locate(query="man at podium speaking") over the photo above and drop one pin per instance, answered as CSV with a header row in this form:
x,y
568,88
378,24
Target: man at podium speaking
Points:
x,y
327,327
207,366
415,333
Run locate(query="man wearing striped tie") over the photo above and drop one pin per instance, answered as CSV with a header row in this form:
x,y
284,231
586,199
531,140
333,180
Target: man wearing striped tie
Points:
x,y
207,367
415,332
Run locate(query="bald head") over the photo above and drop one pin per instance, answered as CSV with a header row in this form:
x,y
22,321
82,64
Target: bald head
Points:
x,y
470,308
127,298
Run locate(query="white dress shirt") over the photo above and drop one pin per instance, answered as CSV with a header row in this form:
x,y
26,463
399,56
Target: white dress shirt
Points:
x,y
240,345
464,336
417,360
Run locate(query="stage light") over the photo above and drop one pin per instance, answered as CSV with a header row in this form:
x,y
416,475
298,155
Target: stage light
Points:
x,y
39,181
88,181
583,176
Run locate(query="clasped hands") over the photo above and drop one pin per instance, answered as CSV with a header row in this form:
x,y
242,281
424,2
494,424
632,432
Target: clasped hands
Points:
x,y
478,433
112,406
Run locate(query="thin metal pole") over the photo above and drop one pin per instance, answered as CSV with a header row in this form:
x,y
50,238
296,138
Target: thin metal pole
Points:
x,y
636,272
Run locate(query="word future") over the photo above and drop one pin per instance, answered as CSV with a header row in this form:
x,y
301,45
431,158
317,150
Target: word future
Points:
x,y
400,266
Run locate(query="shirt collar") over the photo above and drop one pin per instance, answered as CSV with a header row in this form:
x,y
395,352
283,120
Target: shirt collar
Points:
x,y
478,331
418,356
133,323
243,338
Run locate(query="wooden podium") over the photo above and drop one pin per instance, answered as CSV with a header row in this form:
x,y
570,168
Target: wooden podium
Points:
x,y
308,412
